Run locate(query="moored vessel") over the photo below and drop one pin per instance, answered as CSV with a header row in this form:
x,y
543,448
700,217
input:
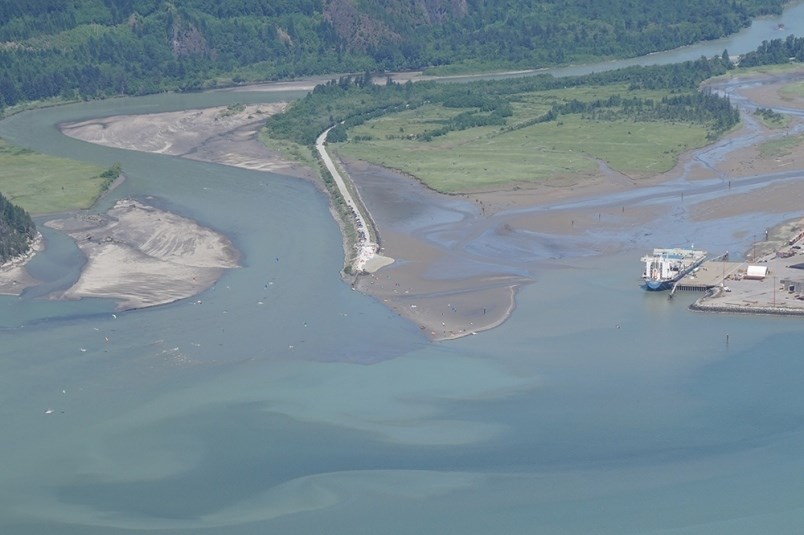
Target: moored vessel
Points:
x,y
666,266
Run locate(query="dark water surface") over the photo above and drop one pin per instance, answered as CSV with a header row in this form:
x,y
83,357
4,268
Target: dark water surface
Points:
x,y
287,403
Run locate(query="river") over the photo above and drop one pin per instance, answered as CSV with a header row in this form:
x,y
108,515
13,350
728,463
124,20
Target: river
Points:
x,y
286,403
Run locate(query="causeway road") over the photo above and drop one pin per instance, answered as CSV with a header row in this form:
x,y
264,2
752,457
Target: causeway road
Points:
x,y
367,258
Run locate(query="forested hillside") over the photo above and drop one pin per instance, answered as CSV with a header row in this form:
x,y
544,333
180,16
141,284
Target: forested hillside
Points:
x,y
16,230
96,48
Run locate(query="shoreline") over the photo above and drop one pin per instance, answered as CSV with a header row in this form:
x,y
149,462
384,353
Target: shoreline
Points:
x,y
217,134
14,277
516,213
461,286
748,309
705,304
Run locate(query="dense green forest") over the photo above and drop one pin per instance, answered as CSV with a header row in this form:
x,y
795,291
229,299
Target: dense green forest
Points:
x,y
17,229
351,101
97,48
775,52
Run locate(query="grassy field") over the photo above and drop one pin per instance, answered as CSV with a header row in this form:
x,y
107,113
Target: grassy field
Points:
x,y
289,150
743,72
41,184
792,90
491,157
776,148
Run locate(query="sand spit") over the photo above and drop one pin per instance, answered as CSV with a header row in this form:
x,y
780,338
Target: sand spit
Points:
x,y
226,135
143,256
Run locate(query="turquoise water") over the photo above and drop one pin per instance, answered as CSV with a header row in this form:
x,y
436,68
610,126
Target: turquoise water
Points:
x,y
287,403
596,406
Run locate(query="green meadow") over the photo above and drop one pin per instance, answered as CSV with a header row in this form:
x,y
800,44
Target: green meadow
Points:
x,y
775,121
792,90
491,157
41,184
776,148
289,150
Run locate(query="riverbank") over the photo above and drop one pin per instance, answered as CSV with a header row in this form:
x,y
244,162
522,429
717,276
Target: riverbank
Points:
x,y
14,277
123,263
226,135
460,259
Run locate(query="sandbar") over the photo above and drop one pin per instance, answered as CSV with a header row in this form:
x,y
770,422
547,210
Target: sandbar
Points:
x,y
143,256
226,135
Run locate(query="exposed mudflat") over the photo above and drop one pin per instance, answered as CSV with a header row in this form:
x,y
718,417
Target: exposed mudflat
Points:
x,y
460,259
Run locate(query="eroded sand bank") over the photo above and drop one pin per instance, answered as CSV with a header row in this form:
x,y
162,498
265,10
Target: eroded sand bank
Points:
x,y
143,256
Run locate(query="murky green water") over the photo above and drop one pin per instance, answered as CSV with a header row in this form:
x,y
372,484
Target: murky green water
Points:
x,y
287,403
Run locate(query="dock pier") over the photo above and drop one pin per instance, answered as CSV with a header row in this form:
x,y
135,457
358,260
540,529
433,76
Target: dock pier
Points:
x,y
708,275
770,283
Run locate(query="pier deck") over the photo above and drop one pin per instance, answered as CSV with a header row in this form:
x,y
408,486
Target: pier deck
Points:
x,y
710,274
780,290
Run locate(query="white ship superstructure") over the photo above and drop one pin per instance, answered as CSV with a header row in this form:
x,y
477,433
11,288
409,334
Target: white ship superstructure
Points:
x,y
666,266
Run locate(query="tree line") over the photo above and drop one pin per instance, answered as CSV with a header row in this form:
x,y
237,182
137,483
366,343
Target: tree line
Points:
x,y
774,52
97,48
17,230
353,100
702,108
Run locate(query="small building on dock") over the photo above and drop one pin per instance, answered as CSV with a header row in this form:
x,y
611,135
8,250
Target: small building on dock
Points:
x,y
793,286
754,272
